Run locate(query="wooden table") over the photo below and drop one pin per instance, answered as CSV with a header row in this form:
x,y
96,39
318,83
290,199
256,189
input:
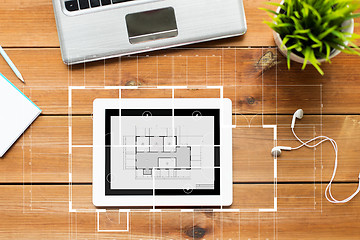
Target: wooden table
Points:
x,y
34,174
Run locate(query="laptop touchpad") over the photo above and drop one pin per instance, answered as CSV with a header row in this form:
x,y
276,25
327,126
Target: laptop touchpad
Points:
x,y
151,25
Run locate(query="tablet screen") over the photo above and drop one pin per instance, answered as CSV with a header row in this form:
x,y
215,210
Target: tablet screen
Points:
x,y
162,152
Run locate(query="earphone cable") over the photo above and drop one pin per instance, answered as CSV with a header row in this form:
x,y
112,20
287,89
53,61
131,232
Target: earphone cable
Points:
x,y
328,194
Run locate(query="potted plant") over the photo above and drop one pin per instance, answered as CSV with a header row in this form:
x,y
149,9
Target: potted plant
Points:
x,y
314,31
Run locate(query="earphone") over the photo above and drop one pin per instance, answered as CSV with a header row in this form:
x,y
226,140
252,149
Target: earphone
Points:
x,y
276,152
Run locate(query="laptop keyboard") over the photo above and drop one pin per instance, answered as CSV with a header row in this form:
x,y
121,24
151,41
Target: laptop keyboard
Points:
x,y
75,5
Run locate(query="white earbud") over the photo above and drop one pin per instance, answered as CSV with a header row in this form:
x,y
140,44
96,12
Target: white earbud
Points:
x,y
298,114
276,151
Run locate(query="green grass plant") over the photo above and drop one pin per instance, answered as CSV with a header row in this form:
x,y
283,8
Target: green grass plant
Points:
x,y
312,29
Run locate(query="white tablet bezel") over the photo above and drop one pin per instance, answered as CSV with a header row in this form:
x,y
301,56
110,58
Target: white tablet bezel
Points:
x,y
226,189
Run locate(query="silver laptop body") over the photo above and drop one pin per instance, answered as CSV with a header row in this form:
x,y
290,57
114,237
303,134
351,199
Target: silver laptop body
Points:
x,y
90,30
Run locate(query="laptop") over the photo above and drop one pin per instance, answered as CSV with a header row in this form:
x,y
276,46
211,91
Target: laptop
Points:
x,y
162,152
91,30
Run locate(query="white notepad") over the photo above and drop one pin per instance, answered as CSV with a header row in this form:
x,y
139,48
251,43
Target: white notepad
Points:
x,y
17,112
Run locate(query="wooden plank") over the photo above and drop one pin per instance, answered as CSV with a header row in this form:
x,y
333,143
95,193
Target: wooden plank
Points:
x,y
252,145
32,24
49,215
41,155
28,24
262,197
36,19
239,71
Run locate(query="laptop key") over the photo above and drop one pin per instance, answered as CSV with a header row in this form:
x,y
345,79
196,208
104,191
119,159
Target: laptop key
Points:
x,y
71,5
120,1
84,4
95,3
105,2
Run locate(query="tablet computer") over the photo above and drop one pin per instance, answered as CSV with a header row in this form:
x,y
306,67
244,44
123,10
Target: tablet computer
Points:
x,y
162,152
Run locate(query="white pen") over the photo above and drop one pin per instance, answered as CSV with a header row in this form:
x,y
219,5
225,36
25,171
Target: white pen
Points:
x,y
11,64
